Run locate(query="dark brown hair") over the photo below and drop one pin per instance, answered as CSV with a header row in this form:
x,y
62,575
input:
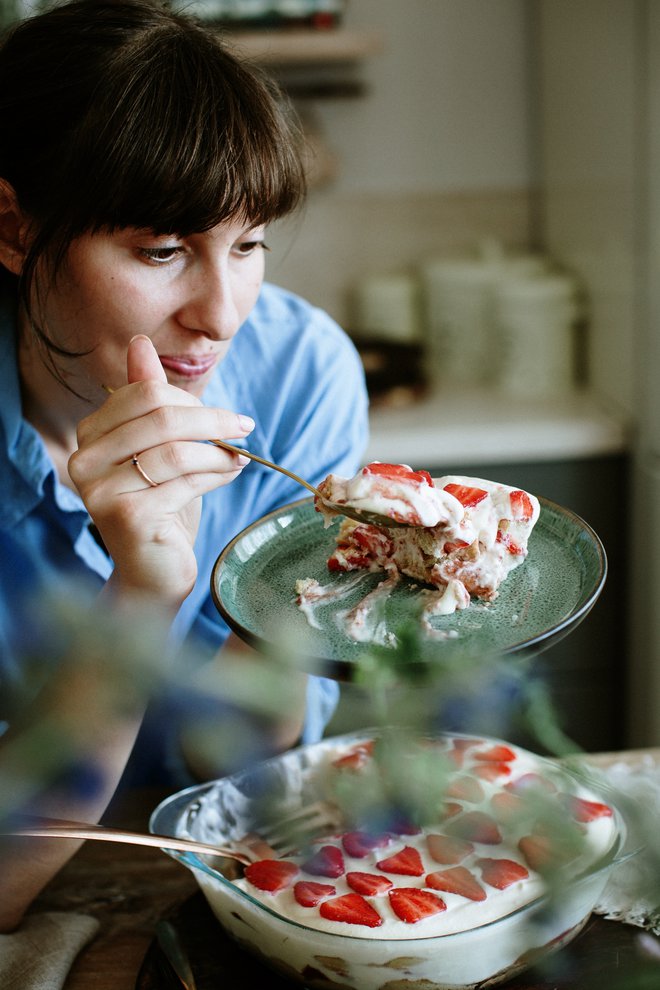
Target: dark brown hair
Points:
x,y
118,113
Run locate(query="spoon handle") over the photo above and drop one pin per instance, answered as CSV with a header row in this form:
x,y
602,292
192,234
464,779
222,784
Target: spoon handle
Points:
x,y
262,460
103,833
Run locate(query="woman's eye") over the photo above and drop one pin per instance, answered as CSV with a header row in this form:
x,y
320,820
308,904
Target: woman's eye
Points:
x,y
247,247
161,255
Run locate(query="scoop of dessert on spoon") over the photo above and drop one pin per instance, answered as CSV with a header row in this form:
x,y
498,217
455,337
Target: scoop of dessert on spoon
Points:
x,y
360,515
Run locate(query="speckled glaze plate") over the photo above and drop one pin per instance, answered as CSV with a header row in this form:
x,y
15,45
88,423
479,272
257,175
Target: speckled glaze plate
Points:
x,y
254,578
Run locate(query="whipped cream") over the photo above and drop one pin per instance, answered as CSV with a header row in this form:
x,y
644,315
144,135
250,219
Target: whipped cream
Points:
x,y
465,535
504,813
393,490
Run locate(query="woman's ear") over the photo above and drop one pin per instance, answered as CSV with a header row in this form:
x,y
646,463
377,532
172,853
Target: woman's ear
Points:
x,y
13,230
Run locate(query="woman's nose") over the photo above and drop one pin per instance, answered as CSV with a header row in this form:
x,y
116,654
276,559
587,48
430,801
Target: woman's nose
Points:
x,y
211,307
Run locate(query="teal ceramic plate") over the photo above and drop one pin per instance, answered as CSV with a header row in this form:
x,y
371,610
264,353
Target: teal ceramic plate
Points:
x,y
254,581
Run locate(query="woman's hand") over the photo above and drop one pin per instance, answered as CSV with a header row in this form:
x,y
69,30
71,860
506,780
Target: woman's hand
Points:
x,y
149,528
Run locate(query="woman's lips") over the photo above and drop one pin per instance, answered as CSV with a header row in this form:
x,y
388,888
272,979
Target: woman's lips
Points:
x,y
188,367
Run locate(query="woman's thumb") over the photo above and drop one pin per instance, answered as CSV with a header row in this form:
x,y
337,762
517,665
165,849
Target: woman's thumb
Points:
x,y
142,361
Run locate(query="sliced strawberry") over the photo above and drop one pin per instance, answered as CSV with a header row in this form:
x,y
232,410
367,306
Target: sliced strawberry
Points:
x,y
412,904
451,545
466,742
373,540
501,873
586,811
507,807
352,909
447,848
449,810
531,782
368,884
326,862
457,754
402,826
537,851
357,757
348,560
542,852
271,874
477,826
492,771
406,861
359,844
495,754
521,505
466,788
457,880
511,546
308,893
466,495
401,472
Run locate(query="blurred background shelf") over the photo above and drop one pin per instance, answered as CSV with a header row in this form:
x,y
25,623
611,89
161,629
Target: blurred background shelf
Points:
x,y
307,47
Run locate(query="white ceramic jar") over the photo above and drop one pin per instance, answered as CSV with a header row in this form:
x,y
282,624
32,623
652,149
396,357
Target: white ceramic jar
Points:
x,y
458,306
535,326
386,307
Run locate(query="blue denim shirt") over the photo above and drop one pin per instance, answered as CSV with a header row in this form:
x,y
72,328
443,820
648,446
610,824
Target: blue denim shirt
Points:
x,y
290,368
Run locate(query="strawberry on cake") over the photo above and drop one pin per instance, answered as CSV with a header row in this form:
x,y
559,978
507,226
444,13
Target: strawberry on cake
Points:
x,y
463,535
506,821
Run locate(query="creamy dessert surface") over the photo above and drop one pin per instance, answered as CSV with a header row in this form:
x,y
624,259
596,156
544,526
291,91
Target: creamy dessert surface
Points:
x,y
483,855
465,536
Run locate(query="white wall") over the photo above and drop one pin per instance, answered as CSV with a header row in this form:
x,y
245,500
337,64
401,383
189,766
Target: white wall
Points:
x,y
590,106
448,102
435,156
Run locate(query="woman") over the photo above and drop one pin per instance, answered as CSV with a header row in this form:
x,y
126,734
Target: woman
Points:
x,y
140,165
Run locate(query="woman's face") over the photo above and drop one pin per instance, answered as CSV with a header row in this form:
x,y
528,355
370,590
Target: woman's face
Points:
x,y
189,295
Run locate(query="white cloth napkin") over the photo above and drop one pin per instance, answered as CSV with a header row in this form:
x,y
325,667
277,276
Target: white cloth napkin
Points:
x,y
632,894
40,953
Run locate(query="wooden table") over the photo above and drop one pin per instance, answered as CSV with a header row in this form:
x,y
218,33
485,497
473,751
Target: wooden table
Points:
x,y
129,888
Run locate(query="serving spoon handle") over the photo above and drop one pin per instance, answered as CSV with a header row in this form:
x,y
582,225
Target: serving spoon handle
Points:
x,y
59,828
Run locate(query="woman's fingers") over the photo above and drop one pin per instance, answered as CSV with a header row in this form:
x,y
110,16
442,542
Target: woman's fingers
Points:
x,y
147,413
170,435
198,463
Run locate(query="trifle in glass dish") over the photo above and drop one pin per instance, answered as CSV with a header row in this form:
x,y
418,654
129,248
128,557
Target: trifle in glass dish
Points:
x,y
459,861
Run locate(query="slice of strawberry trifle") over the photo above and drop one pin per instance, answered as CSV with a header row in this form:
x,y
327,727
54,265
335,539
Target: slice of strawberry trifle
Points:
x,y
464,535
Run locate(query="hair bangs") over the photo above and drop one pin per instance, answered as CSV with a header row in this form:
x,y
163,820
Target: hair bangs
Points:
x,y
224,144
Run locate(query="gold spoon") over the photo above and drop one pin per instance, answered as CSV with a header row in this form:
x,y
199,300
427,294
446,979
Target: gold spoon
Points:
x,y
361,515
64,829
